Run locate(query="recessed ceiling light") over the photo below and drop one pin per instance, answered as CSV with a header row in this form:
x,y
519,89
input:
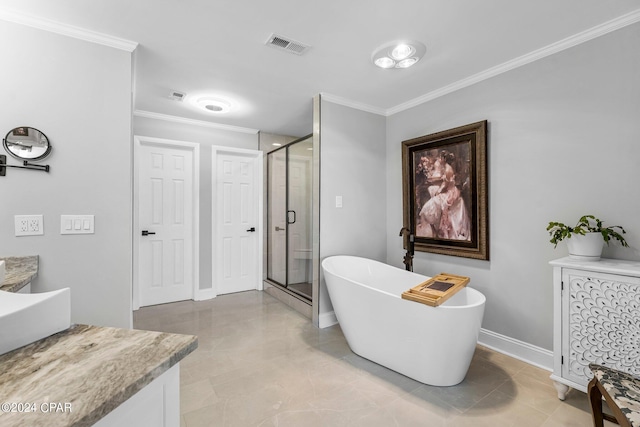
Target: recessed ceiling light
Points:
x,y
398,54
385,62
402,51
406,63
277,144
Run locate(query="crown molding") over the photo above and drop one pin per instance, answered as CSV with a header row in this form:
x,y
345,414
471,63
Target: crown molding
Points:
x,y
353,104
67,30
193,122
569,42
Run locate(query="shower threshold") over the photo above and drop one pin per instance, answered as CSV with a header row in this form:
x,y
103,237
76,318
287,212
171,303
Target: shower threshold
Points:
x,y
302,289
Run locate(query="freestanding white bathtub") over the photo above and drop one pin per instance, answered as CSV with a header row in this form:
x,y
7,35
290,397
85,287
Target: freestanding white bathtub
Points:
x,y
433,345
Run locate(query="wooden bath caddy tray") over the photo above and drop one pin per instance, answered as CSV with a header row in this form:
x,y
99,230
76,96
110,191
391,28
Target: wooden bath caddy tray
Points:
x,y
437,289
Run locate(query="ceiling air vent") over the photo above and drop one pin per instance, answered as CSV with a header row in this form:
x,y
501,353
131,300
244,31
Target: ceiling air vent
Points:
x,y
287,44
176,96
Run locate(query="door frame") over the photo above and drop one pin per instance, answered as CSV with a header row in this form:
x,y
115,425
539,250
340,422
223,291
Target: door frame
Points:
x,y
309,161
139,140
257,162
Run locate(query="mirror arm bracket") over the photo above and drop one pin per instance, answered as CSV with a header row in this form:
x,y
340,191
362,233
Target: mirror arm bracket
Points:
x,y
25,165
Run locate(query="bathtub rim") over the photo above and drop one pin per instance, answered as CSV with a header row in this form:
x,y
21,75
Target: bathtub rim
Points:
x,y
476,293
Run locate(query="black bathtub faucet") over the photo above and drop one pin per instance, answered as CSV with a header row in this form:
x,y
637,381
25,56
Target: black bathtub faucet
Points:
x,y
408,257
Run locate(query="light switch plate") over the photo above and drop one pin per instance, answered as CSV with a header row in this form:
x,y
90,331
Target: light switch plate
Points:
x,y
29,225
77,224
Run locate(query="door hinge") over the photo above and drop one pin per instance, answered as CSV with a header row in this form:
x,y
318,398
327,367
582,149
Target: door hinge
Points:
x,y
562,286
562,360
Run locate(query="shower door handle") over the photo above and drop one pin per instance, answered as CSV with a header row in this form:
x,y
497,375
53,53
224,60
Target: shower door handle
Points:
x,y
294,217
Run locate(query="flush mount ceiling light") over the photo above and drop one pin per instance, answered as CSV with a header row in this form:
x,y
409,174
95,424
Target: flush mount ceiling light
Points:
x,y
398,54
214,104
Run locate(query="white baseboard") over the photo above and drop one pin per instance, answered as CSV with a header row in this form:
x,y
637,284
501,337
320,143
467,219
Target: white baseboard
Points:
x,y
204,294
528,353
327,319
520,350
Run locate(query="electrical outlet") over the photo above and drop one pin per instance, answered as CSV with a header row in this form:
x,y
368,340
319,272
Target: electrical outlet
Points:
x,y
34,225
29,225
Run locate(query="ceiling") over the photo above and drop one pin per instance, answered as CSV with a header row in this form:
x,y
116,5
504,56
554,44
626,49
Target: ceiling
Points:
x,y
218,47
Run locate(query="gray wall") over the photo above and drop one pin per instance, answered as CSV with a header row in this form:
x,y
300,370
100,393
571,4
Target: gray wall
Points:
x,y
206,137
79,95
563,142
352,165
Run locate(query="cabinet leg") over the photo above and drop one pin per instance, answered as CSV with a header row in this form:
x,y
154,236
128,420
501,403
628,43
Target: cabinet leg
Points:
x,y
562,389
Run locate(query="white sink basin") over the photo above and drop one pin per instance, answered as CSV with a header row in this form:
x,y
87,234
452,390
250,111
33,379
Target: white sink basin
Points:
x,y
26,318
2,272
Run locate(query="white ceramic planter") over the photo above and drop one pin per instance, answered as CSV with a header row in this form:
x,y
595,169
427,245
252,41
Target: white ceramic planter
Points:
x,y
587,247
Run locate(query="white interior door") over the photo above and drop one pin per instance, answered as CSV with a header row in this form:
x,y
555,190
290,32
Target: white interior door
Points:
x,y
165,226
237,222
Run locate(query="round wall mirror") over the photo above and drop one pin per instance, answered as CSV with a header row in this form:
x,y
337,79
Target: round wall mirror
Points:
x,y
27,143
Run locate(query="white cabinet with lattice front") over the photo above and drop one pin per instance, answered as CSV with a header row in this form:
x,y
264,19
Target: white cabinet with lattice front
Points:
x,y
596,319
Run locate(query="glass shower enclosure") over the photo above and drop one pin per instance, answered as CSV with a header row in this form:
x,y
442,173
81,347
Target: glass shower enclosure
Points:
x,y
289,217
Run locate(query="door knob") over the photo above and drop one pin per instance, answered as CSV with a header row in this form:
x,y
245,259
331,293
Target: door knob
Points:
x,y
147,232
252,229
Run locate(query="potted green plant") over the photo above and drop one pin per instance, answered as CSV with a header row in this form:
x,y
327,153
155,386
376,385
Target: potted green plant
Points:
x,y
586,239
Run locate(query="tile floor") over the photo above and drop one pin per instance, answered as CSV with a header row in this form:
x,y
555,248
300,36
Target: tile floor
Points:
x,y
259,363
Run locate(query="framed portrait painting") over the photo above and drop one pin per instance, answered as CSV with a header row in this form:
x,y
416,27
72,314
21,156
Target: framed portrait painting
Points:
x,y
444,182
21,131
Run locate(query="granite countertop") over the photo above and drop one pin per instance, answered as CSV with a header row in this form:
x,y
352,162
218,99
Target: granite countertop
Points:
x,y
19,272
89,369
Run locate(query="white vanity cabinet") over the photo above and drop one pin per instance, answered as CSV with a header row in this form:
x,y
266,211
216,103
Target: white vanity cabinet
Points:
x,y
157,404
596,319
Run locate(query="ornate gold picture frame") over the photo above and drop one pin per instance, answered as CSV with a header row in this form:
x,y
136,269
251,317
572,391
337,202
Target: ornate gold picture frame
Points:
x,y
444,181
